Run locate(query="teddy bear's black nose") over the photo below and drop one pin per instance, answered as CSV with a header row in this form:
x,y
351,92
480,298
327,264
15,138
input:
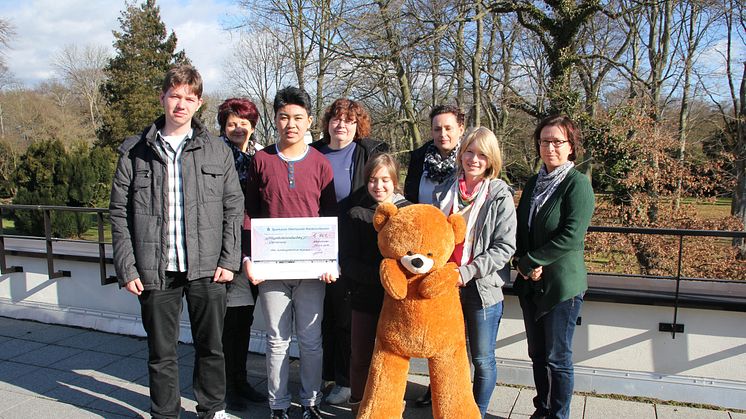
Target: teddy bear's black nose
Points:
x,y
417,262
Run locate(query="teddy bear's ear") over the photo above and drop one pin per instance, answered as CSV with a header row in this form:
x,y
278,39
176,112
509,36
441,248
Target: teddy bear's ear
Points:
x,y
459,227
384,211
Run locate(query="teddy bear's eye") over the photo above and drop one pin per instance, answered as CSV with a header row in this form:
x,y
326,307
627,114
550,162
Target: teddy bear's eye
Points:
x,y
429,255
410,253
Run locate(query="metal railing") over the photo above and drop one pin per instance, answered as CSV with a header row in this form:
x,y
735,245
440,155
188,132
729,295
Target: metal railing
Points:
x,y
672,327
50,240
101,213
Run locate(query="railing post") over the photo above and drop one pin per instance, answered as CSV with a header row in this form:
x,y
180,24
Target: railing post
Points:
x,y
48,239
3,267
675,327
50,253
102,251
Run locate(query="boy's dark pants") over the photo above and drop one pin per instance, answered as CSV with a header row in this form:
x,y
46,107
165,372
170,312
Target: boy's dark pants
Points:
x,y
161,312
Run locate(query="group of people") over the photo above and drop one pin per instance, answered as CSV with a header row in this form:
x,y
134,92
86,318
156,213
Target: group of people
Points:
x,y
181,209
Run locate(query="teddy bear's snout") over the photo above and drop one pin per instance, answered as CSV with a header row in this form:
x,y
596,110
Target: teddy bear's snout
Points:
x,y
417,263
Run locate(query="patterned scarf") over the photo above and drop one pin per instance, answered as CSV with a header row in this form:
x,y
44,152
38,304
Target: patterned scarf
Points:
x,y
241,159
545,186
438,168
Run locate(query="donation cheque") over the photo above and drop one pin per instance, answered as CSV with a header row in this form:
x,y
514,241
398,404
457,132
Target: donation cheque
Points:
x,y
294,248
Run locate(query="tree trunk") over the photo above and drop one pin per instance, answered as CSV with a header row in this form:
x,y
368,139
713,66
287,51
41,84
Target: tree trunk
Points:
x,y
392,39
738,205
435,71
460,67
476,66
691,47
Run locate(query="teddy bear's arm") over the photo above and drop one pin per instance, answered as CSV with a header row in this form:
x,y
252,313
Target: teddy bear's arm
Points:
x,y
440,281
393,279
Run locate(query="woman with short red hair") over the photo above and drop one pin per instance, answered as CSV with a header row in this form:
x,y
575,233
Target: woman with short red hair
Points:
x,y
345,143
237,118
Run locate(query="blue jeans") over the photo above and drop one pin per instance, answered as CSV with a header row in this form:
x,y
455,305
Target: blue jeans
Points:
x,y
481,329
550,349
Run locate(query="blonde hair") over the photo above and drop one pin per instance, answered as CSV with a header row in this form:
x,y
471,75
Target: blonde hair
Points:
x,y
486,142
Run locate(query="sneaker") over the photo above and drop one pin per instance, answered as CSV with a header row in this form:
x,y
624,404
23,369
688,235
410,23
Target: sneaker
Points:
x,y
220,414
279,414
424,400
338,395
311,412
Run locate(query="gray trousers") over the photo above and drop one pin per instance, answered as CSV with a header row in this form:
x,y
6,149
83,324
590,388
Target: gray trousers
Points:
x,y
285,304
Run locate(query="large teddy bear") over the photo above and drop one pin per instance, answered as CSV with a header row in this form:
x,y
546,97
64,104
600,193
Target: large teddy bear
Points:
x,y
421,315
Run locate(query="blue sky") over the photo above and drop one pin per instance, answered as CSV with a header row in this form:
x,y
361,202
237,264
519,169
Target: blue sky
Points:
x,y
45,27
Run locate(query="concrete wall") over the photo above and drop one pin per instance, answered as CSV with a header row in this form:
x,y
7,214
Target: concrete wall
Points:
x,y
617,348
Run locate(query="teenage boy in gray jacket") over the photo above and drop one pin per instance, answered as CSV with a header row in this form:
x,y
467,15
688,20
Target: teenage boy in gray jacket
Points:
x,y
176,210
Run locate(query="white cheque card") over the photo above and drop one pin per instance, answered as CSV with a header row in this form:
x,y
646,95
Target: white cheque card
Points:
x,y
294,248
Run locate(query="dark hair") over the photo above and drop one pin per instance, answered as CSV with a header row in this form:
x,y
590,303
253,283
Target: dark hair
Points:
x,y
382,160
568,127
184,74
292,96
455,110
352,111
242,108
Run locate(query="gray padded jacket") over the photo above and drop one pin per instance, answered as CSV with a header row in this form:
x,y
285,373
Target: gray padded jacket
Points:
x,y
213,208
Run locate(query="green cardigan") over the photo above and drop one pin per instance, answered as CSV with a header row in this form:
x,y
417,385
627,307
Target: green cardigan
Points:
x,y
555,241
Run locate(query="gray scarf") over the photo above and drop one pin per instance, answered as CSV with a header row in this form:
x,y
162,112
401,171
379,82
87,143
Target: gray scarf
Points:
x,y
545,186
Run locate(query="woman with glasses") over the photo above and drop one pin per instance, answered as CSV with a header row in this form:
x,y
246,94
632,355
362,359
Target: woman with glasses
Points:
x,y
345,143
486,203
554,212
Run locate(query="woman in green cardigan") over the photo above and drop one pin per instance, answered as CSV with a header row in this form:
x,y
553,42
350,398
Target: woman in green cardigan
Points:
x,y
553,215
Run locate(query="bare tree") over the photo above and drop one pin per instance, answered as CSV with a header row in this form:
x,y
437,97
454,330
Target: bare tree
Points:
x,y
392,37
556,26
476,65
83,70
258,69
6,33
697,18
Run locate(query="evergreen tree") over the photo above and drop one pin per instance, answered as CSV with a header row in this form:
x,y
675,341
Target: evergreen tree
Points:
x,y
145,51
42,179
48,174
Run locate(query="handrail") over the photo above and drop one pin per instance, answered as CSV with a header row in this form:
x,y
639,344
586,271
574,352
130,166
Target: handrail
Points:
x,y
49,239
667,231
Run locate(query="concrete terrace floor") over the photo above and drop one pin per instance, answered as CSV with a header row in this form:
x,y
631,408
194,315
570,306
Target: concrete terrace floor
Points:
x,y
52,371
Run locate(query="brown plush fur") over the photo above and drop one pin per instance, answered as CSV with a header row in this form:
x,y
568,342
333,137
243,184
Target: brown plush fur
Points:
x,y
421,315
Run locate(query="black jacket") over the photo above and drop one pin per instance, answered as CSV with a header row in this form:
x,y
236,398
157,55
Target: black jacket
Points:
x,y
360,258
414,173
213,208
366,147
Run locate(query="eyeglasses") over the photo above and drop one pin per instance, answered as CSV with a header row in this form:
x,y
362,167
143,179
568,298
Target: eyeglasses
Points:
x,y
340,121
555,143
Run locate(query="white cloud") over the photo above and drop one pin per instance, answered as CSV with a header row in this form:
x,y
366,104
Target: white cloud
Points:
x,y
44,27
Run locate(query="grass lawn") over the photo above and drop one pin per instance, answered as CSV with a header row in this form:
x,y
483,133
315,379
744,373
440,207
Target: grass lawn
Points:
x,y
711,210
